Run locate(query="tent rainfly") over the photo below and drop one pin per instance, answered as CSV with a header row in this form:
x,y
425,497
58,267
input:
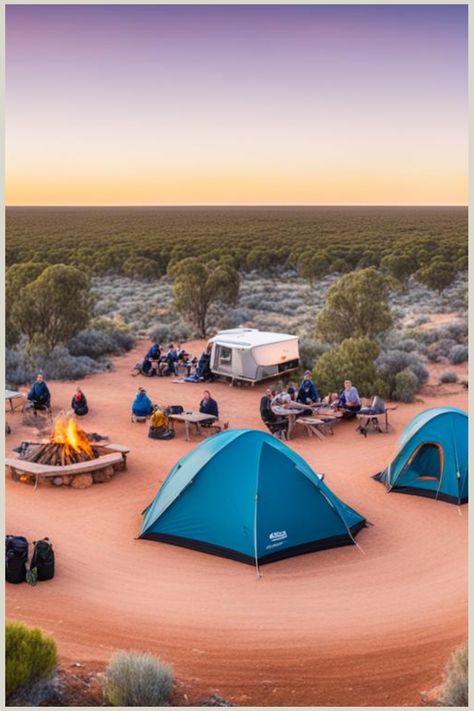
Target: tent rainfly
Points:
x,y
432,459
250,355
245,495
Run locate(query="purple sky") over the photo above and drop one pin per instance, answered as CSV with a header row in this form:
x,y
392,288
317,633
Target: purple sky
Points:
x,y
254,104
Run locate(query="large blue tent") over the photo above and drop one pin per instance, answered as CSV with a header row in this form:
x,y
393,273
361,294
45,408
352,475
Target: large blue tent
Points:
x,y
432,459
245,495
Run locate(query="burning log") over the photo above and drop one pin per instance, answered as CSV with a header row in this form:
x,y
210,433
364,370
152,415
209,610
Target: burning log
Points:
x,y
68,444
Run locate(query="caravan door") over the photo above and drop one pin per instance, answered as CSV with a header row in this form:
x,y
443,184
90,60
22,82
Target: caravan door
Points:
x,y
223,360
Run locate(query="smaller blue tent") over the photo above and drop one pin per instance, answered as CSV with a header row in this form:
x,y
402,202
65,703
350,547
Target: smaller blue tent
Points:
x,y
245,495
432,459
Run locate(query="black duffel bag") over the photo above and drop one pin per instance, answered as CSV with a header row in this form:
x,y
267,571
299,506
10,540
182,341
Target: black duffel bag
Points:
x,y
160,433
43,559
16,557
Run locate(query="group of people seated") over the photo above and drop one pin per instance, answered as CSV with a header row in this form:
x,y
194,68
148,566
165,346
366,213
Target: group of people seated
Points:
x,y
161,363
39,398
142,407
347,402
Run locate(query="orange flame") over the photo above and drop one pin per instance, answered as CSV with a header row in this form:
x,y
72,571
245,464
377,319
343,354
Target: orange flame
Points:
x,y
68,433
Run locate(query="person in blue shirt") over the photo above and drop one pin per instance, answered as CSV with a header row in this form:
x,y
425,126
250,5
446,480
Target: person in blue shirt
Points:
x,y
308,392
349,400
39,394
154,352
142,405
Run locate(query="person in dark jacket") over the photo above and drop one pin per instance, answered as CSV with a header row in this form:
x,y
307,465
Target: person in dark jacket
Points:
x,y
203,370
154,352
142,405
277,426
39,394
308,392
208,406
79,403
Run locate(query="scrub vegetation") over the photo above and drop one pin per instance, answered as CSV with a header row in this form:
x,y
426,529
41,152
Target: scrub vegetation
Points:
x,y
326,274
133,679
29,656
454,691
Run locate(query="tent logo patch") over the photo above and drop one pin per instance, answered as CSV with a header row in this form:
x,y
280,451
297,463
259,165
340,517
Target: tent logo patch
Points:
x,y
278,535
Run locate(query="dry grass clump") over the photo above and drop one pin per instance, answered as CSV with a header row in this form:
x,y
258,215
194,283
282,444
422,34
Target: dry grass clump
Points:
x,y
29,656
133,679
454,691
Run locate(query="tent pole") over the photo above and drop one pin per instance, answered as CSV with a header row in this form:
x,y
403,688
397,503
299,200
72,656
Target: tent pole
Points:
x,y
257,569
458,473
343,521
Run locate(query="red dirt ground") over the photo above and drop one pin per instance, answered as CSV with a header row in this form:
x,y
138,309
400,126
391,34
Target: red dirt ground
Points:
x,y
334,628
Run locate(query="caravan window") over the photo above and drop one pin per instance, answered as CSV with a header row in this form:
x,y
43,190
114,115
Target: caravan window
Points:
x,y
224,355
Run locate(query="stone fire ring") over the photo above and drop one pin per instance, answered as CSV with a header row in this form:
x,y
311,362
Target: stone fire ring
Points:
x,y
80,475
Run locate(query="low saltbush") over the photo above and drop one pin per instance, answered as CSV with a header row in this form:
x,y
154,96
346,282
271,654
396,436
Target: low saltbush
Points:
x,y
458,354
454,691
95,343
406,386
133,679
440,350
61,365
390,363
448,377
29,655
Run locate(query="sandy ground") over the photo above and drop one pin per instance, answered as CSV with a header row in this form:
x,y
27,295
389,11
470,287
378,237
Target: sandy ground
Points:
x,y
337,627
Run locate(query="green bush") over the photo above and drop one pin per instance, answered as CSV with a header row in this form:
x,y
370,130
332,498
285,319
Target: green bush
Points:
x,y
133,679
454,691
29,655
406,386
353,360
356,307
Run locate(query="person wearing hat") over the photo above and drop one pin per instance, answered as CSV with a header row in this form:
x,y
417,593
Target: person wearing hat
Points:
x,y
308,393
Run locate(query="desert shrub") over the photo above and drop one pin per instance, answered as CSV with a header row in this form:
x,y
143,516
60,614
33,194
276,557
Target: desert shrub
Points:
x,y
356,307
454,691
95,343
137,680
17,370
310,351
448,377
171,332
390,363
438,274
458,354
29,655
441,349
405,386
457,330
353,359
59,364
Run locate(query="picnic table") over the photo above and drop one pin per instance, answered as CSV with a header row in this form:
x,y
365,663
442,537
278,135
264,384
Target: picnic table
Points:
x,y
290,413
192,418
12,395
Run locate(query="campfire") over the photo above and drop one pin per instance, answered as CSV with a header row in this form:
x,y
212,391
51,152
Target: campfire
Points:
x,y
68,444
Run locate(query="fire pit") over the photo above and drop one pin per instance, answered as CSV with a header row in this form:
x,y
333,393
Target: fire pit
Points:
x,y
68,458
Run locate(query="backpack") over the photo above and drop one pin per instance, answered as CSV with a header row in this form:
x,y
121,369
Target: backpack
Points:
x,y
43,559
175,410
16,556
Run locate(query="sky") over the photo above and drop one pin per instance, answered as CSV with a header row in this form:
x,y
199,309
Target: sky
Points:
x,y
236,105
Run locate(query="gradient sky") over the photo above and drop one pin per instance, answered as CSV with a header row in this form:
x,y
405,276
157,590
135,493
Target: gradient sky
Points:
x,y
181,105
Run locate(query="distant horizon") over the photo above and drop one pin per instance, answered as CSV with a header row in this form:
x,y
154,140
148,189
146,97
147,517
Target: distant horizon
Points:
x,y
249,205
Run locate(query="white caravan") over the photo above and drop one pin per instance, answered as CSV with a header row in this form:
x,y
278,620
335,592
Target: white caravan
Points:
x,y
246,354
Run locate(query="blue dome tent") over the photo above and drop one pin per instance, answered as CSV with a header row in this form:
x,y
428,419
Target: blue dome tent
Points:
x,y
432,459
245,495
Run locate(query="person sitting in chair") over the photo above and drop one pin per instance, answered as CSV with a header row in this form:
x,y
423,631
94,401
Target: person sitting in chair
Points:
x,y
208,406
349,400
39,395
277,426
142,405
308,393
79,403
